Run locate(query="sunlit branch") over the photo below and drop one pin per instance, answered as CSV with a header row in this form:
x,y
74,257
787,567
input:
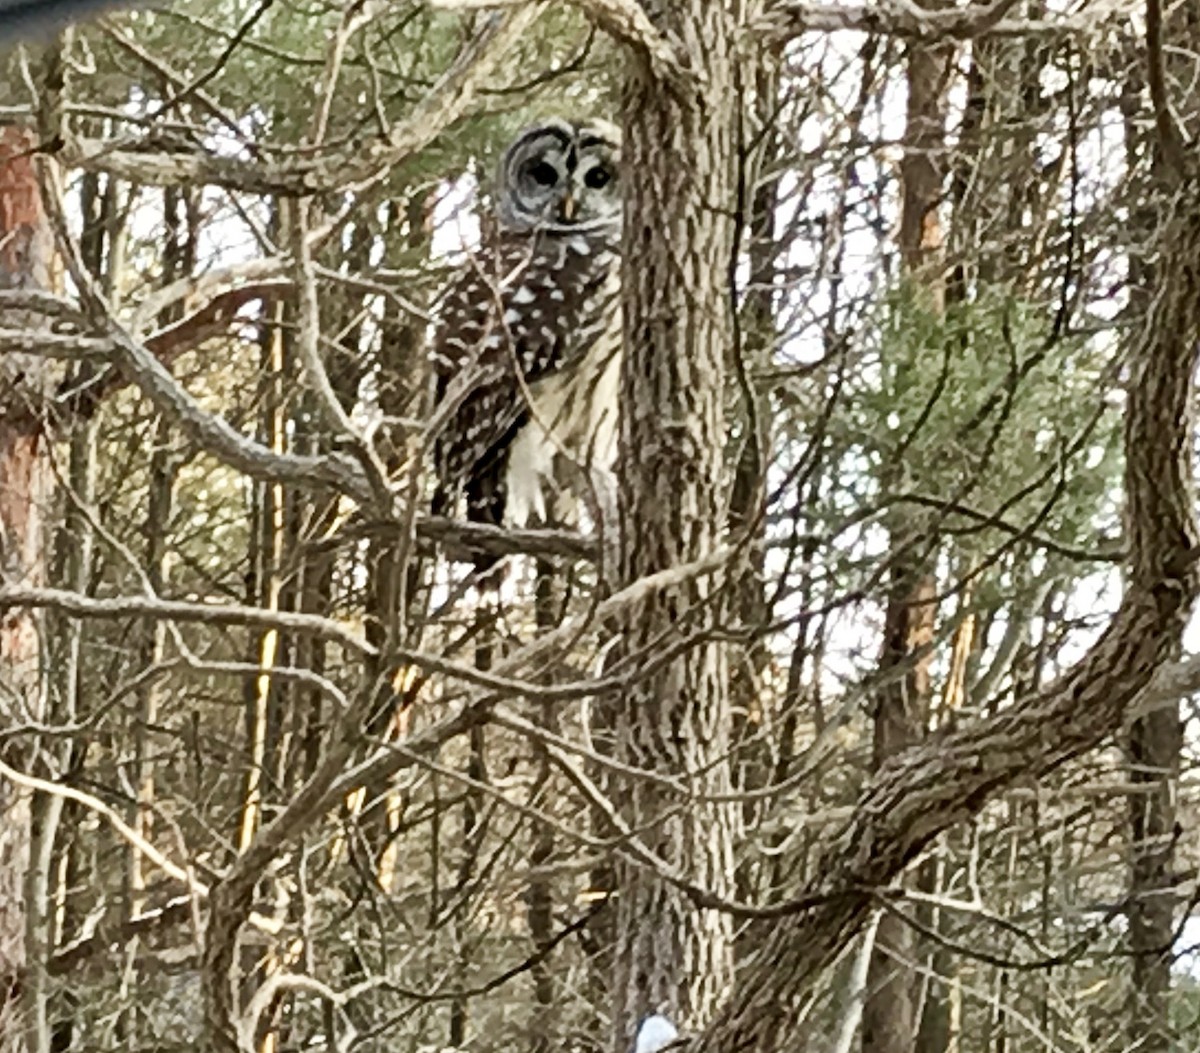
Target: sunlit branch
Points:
x,y
786,19
182,874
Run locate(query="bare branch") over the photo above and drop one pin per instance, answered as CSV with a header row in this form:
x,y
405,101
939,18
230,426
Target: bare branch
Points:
x,y
335,471
308,342
182,874
181,610
274,986
789,18
229,614
623,20
196,289
167,344
105,936
227,294
55,345
386,762
94,804
335,777
464,540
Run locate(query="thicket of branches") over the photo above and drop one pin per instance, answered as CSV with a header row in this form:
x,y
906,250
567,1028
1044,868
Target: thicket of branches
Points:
x,y
278,773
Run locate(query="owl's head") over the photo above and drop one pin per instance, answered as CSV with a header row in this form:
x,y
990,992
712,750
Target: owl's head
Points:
x,y
561,175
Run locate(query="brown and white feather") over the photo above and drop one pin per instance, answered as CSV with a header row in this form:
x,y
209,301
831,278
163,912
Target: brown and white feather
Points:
x,y
527,362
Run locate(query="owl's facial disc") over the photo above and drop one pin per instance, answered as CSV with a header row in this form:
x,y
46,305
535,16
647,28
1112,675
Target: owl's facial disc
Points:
x,y
560,176
595,188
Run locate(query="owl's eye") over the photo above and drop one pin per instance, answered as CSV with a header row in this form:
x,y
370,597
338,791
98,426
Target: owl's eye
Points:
x,y
543,173
598,177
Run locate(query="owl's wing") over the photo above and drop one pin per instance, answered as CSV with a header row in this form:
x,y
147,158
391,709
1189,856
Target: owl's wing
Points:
x,y
508,320
479,407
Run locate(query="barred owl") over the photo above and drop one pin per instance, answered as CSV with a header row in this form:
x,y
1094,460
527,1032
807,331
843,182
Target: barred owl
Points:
x,y
527,352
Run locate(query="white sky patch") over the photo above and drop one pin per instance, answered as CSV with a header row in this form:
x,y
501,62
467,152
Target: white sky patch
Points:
x,y
455,222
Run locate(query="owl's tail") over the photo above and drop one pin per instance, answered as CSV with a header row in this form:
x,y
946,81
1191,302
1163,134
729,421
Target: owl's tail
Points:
x,y
486,499
486,502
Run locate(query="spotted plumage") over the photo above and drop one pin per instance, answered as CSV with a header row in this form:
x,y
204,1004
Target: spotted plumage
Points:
x,y
526,354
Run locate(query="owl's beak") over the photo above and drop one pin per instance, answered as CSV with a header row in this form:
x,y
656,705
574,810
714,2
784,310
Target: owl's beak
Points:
x,y
567,209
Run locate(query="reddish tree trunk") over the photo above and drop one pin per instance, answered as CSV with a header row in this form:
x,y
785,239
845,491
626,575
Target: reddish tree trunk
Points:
x,y
26,249
890,1013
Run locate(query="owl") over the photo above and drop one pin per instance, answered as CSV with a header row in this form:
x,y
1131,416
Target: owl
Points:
x,y
526,354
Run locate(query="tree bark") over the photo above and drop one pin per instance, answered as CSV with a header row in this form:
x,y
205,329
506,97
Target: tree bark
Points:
x,y
540,892
670,955
26,253
757,336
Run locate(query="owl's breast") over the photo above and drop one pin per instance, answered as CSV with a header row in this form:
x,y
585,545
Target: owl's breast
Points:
x,y
557,293
572,419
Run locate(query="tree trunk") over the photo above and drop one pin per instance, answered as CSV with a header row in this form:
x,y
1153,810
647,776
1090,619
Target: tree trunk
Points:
x,y
890,1014
1155,744
539,894
26,252
395,577
678,239
754,717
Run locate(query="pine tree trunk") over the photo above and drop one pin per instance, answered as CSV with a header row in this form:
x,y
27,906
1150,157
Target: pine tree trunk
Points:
x,y
890,1014
681,143
26,251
